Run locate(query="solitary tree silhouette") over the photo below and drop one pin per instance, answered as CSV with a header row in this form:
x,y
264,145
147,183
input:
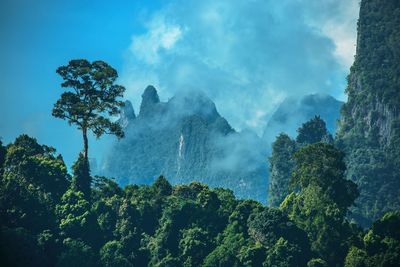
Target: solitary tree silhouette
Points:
x,y
91,98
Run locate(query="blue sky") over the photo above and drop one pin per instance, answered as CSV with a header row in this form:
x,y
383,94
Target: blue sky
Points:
x,y
246,55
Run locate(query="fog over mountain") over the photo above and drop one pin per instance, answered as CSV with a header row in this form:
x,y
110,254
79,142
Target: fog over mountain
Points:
x,y
186,139
245,55
292,112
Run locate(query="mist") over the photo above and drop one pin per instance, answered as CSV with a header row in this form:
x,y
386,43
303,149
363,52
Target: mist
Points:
x,y
246,56
186,139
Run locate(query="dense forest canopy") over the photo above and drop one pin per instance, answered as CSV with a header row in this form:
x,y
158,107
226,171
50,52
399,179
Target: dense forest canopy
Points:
x,y
333,201
48,219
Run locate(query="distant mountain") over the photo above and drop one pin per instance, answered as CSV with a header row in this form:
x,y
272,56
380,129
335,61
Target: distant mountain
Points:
x,y
186,139
292,112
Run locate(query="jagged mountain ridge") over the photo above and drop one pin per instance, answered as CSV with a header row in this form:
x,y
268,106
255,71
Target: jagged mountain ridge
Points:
x,y
294,111
186,139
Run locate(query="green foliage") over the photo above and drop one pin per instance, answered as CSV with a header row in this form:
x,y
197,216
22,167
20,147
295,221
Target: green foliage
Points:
x,y
381,244
92,97
227,251
18,247
111,254
48,218
282,162
285,254
317,263
322,165
76,217
32,182
81,179
37,164
321,201
162,187
105,187
281,167
252,255
355,258
285,243
194,246
45,222
76,253
313,131
369,128
270,225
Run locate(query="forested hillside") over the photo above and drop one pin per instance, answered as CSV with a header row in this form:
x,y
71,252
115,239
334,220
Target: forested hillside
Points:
x,y
51,218
369,130
333,201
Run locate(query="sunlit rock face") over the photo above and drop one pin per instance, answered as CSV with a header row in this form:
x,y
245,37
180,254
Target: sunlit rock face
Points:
x,y
186,139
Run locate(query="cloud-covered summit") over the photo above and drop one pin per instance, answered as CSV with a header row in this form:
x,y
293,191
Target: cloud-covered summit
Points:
x,y
246,55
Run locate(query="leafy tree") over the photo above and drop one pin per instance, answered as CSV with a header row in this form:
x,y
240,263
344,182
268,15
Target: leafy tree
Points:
x,y
76,217
227,201
234,248
111,255
194,246
285,243
43,223
281,165
37,164
281,162
355,258
313,131
77,253
33,181
81,180
50,246
226,254
18,247
270,224
93,96
252,255
178,215
104,187
106,212
285,254
382,242
162,187
317,263
322,165
321,201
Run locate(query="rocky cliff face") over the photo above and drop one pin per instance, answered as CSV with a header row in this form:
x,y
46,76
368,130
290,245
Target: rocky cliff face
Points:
x,y
186,140
370,124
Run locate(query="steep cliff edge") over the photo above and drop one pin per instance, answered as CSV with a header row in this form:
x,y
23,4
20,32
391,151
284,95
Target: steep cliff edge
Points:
x,y
369,130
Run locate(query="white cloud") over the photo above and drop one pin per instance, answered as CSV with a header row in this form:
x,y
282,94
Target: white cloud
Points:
x,y
160,36
338,20
246,55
